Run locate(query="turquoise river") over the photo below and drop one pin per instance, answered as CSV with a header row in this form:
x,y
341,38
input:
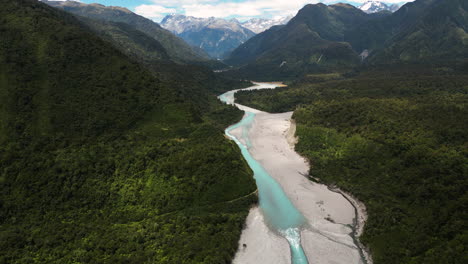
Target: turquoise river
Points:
x,y
280,215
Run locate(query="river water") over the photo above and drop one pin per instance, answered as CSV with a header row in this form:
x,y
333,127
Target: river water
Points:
x,y
279,213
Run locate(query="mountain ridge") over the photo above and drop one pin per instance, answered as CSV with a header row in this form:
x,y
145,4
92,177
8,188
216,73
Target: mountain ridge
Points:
x,y
440,34
311,41
406,35
176,48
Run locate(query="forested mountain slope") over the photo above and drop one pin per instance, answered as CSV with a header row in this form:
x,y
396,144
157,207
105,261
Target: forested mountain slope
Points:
x,y
177,49
99,155
438,36
374,34
129,40
312,41
329,39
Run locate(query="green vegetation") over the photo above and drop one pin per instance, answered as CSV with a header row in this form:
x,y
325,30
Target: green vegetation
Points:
x,y
176,48
129,40
374,34
397,140
437,35
105,161
311,42
112,153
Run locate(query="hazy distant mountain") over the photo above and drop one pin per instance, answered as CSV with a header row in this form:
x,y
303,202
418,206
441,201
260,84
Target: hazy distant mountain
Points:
x,y
258,25
176,48
373,6
216,36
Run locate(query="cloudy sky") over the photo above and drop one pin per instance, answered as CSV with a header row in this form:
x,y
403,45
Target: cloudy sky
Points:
x,y
241,9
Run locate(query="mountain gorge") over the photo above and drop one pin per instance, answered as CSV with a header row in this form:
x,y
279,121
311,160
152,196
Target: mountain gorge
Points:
x,y
215,36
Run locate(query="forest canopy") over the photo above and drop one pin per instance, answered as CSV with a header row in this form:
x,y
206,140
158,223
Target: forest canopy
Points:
x,y
100,156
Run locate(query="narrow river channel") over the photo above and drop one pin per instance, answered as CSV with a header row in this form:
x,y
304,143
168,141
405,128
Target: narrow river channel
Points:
x,y
315,222
280,214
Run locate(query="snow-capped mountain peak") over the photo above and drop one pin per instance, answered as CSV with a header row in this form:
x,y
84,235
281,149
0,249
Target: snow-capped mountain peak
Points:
x,y
216,36
180,23
373,6
259,25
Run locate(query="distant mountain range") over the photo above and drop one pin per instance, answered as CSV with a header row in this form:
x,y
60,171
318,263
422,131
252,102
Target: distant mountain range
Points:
x,y
319,38
373,6
330,38
217,36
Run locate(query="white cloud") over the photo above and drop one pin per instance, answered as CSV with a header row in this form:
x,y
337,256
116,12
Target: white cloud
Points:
x,y
174,3
155,12
227,8
248,8
363,1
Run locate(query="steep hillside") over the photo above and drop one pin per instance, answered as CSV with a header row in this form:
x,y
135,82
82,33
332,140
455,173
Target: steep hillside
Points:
x,y
375,34
150,53
99,156
311,41
440,35
255,46
129,40
216,36
176,48
330,22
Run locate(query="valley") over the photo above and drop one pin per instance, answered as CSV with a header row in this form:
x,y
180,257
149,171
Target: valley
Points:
x,y
386,140
291,207
233,131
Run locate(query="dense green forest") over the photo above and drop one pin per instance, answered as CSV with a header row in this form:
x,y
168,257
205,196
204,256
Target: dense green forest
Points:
x,y
396,138
111,152
104,160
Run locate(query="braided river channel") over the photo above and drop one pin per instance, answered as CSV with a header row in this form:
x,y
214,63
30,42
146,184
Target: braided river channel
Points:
x,y
296,221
